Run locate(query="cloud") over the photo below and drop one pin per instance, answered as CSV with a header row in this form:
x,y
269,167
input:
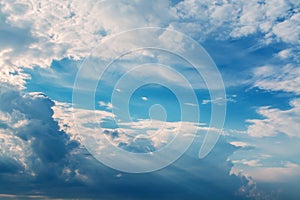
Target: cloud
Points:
x,y
106,105
56,30
190,104
30,138
13,76
65,29
276,121
38,153
36,33
72,119
251,163
219,101
275,78
240,18
282,174
144,98
288,30
239,144
286,53
89,123
124,138
268,159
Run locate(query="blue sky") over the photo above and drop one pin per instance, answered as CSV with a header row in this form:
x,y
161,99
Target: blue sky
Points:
x,y
117,99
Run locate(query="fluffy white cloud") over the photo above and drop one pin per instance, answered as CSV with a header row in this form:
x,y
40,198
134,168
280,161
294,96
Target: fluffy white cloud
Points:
x,y
59,29
72,29
288,30
274,18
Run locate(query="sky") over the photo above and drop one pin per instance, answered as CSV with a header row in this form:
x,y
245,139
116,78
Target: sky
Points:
x,y
142,99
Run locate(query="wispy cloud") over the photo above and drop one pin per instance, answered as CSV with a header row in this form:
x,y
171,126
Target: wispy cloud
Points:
x,y
220,101
276,121
277,78
105,105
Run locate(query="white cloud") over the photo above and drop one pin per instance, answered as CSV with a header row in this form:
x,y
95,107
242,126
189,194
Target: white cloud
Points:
x,y
276,121
219,101
144,98
190,104
240,18
251,163
60,29
69,29
277,78
88,125
239,144
288,30
64,29
272,174
65,114
106,105
160,132
286,53
12,75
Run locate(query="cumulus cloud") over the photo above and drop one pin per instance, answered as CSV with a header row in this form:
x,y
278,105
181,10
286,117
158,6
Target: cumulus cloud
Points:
x,y
31,141
70,29
240,18
288,30
53,30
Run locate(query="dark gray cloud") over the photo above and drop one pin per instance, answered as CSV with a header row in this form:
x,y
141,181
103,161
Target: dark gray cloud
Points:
x,y
29,121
